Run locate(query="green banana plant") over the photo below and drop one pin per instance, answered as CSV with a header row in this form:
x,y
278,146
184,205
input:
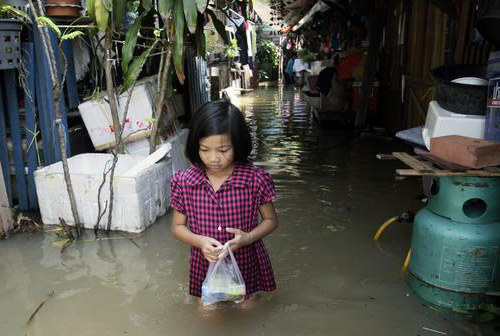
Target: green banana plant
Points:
x,y
100,12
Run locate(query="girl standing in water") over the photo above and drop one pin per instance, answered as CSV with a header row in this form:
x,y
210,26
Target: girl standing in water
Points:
x,y
219,198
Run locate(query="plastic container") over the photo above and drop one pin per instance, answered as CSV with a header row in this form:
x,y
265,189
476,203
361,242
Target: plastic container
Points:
x,y
374,96
141,191
10,43
96,115
440,122
459,97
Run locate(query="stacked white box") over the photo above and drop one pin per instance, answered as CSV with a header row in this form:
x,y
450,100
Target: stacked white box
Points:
x,y
96,115
140,195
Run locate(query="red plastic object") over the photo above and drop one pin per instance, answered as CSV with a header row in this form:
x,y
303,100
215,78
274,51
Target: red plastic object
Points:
x,y
374,96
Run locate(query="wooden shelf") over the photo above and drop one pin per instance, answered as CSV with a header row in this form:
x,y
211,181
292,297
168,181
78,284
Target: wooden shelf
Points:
x,y
427,165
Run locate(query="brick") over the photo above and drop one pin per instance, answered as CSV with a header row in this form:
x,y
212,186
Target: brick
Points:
x,y
465,151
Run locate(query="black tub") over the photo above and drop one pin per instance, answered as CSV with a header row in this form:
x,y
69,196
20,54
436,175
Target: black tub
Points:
x,y
457,97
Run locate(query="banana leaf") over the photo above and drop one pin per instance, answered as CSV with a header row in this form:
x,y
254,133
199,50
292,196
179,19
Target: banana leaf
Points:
x,y
165,9
91,9
119,10
136,67
202,5
101,15
130,42
191,13
108,4
219,26
178,47
147,4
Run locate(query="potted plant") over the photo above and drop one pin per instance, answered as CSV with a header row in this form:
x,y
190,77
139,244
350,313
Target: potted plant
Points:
x,y
63,8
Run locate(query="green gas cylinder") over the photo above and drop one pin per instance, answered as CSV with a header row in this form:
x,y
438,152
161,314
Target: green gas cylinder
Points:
x,y
456,243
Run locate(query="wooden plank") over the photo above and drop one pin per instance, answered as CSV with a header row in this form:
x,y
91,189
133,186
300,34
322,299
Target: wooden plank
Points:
x,y
441,163
385,157
430,36
463,26
4,153
418,29
419,81
468,173
29,102
411,161
15,131
6,219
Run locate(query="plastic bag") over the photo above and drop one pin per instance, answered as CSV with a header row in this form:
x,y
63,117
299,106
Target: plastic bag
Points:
x,y
223,281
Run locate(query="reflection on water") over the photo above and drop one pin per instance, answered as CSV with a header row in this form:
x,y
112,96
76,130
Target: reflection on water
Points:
x,y
332,195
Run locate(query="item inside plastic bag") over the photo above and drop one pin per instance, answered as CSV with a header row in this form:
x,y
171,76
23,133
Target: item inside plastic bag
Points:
x,y
223,281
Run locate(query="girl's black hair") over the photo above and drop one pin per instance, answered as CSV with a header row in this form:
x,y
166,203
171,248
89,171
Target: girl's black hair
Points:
x,y
219,117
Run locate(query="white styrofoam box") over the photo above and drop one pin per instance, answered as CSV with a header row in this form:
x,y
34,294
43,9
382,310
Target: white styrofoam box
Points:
x,y
141,190
96,115
177,153
441,122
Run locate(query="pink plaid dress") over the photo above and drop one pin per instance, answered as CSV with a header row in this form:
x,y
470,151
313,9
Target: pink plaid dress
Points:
x,y
234,205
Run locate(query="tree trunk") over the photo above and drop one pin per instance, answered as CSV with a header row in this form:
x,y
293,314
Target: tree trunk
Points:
x,y
161,99
111,89
56,89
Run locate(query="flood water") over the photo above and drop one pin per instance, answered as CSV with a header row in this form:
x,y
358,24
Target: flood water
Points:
x,y
332,279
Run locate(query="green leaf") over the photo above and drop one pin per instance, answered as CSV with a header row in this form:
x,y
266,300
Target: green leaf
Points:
x,y
219,26
147,4
71,36
178,48
17,12
102,15
44,21
130,42
191,13
136,67
202,5
61,243
165,9
91,9
119,10
108,4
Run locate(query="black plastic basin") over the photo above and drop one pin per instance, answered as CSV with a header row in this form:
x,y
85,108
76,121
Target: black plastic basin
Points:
x,y
457,97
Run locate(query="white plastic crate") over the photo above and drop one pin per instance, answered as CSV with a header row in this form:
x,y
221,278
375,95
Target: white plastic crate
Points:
x,y
141,190
441,122
96,115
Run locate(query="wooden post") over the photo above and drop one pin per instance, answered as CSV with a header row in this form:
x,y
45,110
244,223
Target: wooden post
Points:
x,y
6,220
375,30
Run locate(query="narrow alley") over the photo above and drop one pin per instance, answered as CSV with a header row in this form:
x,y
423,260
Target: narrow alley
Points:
x,y
332,195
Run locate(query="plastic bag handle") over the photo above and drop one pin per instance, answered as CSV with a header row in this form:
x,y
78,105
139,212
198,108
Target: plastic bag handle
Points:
x,y
228,247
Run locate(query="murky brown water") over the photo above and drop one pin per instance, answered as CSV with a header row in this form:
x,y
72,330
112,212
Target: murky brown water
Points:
x,y
332,279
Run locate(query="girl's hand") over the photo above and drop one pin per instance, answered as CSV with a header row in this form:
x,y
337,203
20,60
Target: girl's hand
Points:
x,y
210,248
241,238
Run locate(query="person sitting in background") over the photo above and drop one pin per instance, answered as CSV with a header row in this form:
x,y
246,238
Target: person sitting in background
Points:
x,y
289,73
326,75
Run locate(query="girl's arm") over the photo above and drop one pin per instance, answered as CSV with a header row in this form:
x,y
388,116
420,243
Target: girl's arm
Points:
x,y
209,246
268,224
